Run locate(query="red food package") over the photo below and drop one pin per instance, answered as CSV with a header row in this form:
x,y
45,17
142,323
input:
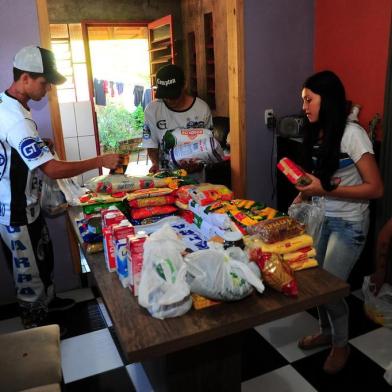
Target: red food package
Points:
x,y
276,273
293,172
145,212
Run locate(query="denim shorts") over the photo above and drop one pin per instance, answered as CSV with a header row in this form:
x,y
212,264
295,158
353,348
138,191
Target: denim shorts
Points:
x,y
341,243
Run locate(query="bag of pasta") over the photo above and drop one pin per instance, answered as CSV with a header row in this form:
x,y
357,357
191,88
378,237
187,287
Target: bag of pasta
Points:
x,y
275,272
277,229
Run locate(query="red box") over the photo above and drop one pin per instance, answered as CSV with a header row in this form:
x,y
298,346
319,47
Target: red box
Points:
x,y
108,249
111,216
135,251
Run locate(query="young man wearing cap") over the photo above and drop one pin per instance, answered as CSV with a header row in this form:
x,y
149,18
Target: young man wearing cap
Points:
x,y
24,234
174,109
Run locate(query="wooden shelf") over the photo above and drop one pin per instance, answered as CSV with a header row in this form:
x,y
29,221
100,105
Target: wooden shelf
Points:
x,y
159,40
162,59
160,48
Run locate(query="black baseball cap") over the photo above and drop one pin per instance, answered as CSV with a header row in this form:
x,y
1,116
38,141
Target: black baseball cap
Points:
x,y
170,81
38,60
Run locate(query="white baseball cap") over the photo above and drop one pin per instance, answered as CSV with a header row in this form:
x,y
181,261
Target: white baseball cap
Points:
x,y
38,60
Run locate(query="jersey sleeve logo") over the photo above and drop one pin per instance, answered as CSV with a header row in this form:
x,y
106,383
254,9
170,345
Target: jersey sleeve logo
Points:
x,y
146,132
3,160
32,148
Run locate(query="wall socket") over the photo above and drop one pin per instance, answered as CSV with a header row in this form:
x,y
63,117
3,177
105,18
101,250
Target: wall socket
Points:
x,y
268,114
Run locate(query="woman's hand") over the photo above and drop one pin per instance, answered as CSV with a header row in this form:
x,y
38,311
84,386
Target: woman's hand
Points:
x,y
313,189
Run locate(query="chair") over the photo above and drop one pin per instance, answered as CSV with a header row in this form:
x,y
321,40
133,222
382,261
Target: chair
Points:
x,y
30,360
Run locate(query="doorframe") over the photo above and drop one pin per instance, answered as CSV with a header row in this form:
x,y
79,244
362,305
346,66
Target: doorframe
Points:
x,y
236,79
236,90
44,31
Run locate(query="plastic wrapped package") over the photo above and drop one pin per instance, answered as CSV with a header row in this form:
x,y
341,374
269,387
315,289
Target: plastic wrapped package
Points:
x,y
205,194
222,275
118,182
146,212
277,229
152,201
280,247
152,192
276,273
207,151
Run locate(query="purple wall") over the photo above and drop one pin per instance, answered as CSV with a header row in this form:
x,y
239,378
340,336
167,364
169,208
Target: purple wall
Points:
x,y
279,39
18,28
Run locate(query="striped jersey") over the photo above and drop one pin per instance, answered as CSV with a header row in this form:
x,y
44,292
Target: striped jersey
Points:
x,y
22,151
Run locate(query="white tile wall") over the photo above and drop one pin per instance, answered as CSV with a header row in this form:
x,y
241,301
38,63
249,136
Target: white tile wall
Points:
x,y
72,149
84,118
68,121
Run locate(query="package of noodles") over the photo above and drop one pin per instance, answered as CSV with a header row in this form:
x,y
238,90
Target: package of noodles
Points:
x,y
277,229
152,201
205,194
275,272
152,192
297,265
280,247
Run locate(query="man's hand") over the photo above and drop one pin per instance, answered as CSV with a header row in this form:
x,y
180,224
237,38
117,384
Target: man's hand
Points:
x,y
111,161
154,168
191,166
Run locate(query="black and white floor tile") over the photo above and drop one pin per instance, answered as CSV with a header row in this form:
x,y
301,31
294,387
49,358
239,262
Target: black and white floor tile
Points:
x,y
271,361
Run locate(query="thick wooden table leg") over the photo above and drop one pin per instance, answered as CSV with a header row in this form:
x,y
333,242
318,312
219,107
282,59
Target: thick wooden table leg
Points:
x,y
213,366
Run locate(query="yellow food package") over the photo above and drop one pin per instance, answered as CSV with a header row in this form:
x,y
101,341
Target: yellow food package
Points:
x,y
298,265
280,247
300,254
200,302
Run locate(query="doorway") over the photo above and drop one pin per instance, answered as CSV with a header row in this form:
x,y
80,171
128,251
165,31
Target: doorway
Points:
x,y
118,63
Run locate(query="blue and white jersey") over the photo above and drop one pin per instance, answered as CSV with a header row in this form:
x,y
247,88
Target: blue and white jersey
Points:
x,y
355,143
22,151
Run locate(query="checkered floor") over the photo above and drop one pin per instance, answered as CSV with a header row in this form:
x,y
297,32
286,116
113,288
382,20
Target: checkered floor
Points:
x,y
92,360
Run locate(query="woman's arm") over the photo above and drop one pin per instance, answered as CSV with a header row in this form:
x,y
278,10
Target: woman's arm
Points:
x,y
371,188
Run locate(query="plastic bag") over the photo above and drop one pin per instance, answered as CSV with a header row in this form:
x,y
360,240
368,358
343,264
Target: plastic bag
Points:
x,y
163,290
223,275
378,307
277,229
52,199
311,214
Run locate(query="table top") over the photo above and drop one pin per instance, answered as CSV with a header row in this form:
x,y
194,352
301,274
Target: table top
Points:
x,y
143,337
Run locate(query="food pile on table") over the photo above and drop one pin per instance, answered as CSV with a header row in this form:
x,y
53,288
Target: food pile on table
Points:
x,y
175,243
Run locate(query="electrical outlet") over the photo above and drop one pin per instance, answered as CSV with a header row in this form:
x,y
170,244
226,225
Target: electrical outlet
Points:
x,y
268,115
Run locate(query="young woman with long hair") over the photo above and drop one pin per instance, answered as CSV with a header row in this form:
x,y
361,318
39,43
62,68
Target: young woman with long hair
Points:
x,y
339,159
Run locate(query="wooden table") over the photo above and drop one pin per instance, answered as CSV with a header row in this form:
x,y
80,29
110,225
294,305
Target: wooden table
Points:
x,y
201,350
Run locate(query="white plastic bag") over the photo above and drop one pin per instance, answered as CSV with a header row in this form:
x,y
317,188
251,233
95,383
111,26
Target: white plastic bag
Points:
x,y
378,307
221,274
52,199
311,214
163,290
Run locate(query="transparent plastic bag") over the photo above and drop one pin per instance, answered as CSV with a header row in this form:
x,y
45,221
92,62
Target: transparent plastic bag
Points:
x,y
378,307
311,214
163,290
52,199
224,275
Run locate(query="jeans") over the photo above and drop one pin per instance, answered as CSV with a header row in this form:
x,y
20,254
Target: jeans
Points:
x,y
340,245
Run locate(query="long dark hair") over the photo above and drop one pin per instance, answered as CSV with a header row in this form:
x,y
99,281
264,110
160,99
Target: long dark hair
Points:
x,y
332,122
